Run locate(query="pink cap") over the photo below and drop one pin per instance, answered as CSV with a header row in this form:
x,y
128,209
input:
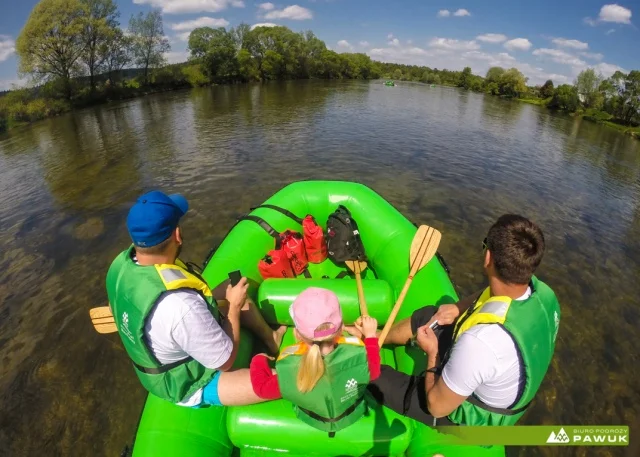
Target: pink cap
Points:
x,y
314,307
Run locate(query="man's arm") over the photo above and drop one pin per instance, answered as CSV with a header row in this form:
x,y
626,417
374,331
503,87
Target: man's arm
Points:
x,y
471,364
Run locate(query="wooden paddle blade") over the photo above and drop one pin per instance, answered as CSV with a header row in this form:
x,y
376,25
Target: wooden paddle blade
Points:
x,y
423,247
102,320
100,312
357,266
106,328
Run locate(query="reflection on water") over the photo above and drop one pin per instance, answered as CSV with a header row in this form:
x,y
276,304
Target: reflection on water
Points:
x,y
453,159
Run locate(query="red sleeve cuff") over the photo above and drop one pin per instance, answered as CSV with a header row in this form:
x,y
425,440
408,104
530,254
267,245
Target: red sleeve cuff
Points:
x,y
373,357
263,381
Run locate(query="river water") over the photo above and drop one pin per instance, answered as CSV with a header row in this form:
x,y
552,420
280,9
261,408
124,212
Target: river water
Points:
x,y
455,160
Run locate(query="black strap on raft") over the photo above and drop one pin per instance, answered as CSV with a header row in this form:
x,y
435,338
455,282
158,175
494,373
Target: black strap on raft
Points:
x,y
284,211
331,420
262,223
163,368
503,411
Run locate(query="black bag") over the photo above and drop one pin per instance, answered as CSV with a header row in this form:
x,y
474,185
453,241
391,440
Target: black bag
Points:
x,y
343,237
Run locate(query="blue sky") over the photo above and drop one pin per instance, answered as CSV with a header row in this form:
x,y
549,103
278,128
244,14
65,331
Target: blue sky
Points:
x,y
544,39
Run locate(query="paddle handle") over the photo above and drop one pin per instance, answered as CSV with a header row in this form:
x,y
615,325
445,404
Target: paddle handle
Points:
x,y
363,304
394,312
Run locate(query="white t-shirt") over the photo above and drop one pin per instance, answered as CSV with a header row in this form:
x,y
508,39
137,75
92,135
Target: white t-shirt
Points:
x,y
484,361
179,326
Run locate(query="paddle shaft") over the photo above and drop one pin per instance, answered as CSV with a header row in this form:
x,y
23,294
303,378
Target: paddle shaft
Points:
x,y
363,304
394,311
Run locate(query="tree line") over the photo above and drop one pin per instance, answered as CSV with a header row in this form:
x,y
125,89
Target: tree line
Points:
x,y
613,100
76,53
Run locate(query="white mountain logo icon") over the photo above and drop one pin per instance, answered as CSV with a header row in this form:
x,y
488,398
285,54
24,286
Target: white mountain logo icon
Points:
x,y
558,438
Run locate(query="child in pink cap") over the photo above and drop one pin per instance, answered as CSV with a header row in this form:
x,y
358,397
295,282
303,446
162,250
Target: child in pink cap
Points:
x,y
325,375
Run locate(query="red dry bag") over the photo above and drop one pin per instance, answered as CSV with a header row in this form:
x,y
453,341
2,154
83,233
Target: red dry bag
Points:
x,y
314,242
293,245
276,265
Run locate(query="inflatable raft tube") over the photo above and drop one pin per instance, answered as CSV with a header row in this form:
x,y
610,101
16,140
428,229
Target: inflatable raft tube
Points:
x,y
271,428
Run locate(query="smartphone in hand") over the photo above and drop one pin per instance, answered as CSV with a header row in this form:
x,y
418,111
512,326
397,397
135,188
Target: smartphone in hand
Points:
x,y
235,277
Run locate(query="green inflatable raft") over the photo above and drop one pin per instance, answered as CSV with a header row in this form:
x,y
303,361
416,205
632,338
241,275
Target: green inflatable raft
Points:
x,y
271,428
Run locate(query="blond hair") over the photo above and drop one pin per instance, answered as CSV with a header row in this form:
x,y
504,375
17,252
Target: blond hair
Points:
x,y
312,364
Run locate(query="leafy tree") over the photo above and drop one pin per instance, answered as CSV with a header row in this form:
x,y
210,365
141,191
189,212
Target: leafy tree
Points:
x,y
546,90
565,97
587,84
216,48
512,83
149,43
118,54
397,74
100,25
51,42
493,75
465,78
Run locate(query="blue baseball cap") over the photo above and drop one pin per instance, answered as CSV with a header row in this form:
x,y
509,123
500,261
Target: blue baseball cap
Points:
x,y
154,217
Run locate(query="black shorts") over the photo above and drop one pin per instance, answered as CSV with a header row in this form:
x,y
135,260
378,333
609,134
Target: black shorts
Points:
x,y
403,393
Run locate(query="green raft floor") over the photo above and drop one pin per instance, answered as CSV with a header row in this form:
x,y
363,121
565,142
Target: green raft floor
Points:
x,y
271,428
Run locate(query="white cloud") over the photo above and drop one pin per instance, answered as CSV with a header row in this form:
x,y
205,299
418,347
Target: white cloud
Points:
x,y
11,84
390,36
7,47
559,56
177,56
364,43
293,12
573,44
444,13
453,45
592,55
264,24
611,13
492,37
191,6
518,44
462,12
266,6
607,69
615,13
409,41
609,32
200,22
394,42
344,44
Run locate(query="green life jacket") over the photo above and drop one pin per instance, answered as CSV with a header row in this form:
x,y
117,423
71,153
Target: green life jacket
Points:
x,y
337,400
133,291
533,325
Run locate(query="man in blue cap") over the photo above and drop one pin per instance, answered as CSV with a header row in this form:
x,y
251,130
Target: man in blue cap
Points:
x,y
181,346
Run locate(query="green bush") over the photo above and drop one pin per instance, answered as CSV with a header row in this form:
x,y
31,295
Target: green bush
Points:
x,y
194,75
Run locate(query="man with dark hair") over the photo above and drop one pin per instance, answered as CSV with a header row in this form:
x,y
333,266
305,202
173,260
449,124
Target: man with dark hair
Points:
x,y
182,343
493,348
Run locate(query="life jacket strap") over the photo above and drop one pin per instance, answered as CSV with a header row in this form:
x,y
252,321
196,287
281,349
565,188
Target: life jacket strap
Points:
x,y
284,211
331,420
503,411
163,368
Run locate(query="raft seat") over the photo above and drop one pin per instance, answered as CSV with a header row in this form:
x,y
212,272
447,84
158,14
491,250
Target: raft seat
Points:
x,y
276,295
